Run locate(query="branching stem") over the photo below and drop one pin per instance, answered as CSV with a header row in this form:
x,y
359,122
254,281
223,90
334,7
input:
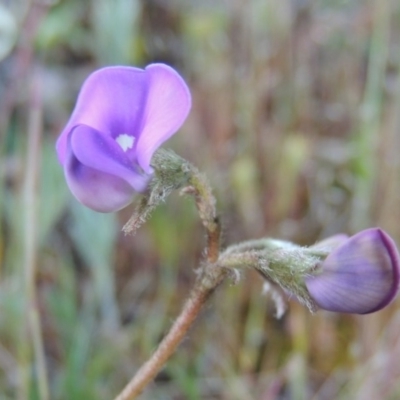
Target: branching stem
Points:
x,y
209,278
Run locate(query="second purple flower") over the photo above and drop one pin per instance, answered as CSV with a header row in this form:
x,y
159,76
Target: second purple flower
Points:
x,y
360,275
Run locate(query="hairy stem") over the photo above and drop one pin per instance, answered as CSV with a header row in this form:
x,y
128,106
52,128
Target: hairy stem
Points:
x,y
199,295
210,277
206,206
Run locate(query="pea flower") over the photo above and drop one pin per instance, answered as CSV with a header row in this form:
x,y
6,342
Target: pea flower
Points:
x,y
360,275
122,116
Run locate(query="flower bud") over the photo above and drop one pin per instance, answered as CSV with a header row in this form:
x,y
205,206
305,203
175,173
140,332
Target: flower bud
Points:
x,y
361,275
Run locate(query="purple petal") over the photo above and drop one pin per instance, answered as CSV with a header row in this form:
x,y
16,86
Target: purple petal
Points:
x,y
99,191
168,104
360,276
96,150
99,173
112,100
149,105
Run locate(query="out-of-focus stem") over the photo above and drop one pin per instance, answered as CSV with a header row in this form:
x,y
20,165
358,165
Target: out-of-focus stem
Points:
x,y
366,140
297,368
30,229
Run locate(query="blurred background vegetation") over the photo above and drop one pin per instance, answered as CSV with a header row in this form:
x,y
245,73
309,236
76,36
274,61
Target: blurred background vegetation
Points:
x,y
296,121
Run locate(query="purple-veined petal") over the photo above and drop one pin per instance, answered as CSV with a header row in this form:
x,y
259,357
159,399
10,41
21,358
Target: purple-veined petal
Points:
x,y
99,173
360,276
112,100
168,104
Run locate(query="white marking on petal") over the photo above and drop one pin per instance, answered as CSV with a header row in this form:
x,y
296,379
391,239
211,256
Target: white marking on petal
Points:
x,y
125,141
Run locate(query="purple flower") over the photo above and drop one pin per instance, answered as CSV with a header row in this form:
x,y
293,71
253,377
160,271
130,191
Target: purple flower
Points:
x,y
121,117
361,275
